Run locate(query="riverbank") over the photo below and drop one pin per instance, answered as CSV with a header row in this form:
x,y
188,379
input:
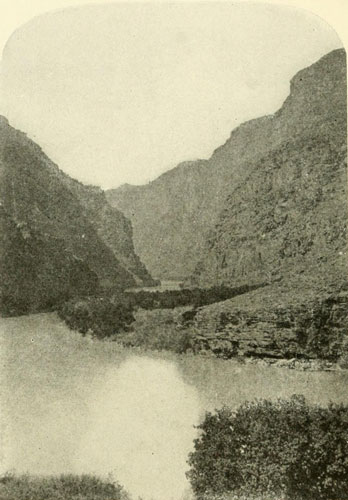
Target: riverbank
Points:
x,y
267,326
306,330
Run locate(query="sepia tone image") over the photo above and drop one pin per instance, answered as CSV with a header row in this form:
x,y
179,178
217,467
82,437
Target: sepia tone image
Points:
x,y
173,254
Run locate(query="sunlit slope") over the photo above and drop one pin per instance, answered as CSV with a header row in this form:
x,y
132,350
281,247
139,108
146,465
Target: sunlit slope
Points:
x,y
288,218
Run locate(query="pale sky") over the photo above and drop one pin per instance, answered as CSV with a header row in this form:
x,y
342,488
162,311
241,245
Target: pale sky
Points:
x,y
119,93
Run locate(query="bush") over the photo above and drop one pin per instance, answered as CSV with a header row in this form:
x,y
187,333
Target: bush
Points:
x,y
285,448
67,487
102,316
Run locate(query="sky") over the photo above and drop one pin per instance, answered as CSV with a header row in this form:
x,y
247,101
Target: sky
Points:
x,y
120,92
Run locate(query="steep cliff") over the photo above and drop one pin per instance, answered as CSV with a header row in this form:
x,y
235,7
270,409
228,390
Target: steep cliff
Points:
x,y
288,218
57,238
189,211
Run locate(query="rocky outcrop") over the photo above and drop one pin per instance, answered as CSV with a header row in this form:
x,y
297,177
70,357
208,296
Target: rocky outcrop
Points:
x,y
57,238
193,210
268,323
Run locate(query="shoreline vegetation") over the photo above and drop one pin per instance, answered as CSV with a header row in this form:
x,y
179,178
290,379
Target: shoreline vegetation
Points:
x,y
167,321
114,316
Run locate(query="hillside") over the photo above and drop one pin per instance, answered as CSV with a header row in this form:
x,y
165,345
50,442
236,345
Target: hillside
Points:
x,y
288,218
112,227
192,211
58,237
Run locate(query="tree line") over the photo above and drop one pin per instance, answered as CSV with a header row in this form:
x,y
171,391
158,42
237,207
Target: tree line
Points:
x,y
109,314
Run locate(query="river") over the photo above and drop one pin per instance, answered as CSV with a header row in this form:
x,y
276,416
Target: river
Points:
x,y
73,404
163,287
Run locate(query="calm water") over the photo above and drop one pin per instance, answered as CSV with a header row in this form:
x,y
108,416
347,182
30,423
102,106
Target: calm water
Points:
x,y
71,404
164,286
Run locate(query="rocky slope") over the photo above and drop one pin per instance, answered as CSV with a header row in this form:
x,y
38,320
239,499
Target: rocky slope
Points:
x,y
288,218
202,211
58,238
270,323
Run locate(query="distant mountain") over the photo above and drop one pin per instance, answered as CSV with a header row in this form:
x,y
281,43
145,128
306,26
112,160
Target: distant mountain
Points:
x,y
58,238
273,194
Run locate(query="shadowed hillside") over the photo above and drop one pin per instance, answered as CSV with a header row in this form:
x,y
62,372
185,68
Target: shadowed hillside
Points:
x,y
58,238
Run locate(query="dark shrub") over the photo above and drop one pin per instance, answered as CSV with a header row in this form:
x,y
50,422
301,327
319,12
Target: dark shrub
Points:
x,y
101,316
214,463
320,470
287,448
65,487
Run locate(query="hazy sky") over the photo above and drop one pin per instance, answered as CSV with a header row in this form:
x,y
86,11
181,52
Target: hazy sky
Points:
x,y
122,92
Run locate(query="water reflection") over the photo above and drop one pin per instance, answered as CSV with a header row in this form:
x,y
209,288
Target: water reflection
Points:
x,y
142,431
